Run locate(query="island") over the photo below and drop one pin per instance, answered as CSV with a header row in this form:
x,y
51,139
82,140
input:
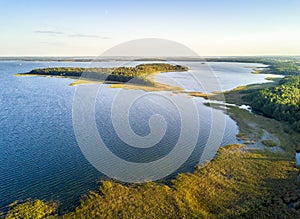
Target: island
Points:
x,y
141,75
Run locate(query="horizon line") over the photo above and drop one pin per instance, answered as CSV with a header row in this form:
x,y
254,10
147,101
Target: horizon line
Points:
x,y
143,56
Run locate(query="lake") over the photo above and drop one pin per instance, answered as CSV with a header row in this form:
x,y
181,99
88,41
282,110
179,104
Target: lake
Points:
x,y
40,156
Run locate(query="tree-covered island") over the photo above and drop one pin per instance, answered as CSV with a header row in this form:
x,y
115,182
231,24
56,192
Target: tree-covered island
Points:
x,y
136,75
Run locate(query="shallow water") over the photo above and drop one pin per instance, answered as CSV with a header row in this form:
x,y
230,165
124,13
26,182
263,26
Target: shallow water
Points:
x,y
215,76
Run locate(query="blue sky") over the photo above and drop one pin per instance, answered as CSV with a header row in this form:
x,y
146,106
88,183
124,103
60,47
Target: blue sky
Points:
x,y
75,28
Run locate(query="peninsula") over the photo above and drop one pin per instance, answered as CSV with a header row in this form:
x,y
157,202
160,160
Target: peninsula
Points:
x,y
138,75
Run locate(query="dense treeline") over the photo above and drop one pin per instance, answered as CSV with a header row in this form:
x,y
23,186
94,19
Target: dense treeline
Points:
x,y
281,102
284,68
138,73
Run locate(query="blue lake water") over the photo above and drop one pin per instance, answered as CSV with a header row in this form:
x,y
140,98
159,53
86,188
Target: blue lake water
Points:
x,y
39,154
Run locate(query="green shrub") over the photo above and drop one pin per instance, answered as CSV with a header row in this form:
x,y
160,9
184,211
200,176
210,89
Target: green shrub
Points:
x,y
269,143
32,210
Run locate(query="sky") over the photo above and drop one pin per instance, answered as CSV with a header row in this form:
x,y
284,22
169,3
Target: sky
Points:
x,y
208,27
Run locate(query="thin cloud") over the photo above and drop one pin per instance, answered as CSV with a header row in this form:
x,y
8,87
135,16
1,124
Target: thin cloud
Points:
x,y
48,32
59,44
88,36
79,35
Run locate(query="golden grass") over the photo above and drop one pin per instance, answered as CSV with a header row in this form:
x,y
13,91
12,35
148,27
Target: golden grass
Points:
x,y
238,183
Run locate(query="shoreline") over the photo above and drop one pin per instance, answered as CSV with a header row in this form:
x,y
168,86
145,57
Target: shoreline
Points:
x,y
157,86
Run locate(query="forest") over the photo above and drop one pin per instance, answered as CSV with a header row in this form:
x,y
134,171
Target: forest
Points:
x,y
284,68
281,102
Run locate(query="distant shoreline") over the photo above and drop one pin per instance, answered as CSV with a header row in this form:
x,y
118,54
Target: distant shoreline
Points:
x,y
243,59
